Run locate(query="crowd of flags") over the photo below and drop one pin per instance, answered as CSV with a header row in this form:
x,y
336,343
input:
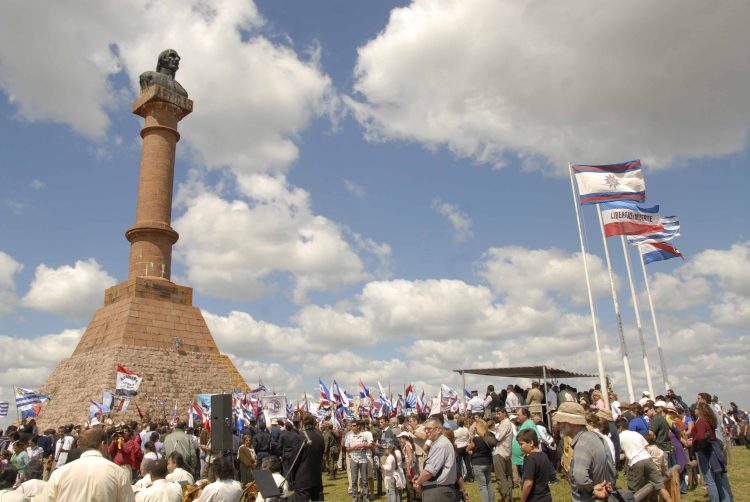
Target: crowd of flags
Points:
x,y
618,189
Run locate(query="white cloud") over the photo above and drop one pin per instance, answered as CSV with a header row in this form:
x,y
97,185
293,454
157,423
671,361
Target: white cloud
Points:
x,y
458,219
730,267
72,292
29,361
9,267
354,188
242,335
675,292
530,275
734,310
252,96
37,184
232,248
551,82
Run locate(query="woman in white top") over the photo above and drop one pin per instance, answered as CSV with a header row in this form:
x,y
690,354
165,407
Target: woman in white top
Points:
x,y
150,451
225,488
177,473
388,465
273,464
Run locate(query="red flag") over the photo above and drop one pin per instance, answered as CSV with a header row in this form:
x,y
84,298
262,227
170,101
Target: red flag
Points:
x,y
140,413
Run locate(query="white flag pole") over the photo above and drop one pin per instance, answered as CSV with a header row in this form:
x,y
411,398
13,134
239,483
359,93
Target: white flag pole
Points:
x,y
637,310
656,325
599,360
618,317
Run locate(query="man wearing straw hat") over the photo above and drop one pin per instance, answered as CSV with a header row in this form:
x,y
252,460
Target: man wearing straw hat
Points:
x,y
592,470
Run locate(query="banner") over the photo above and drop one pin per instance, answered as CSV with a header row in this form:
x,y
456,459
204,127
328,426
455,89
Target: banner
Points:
x,y
628,218
274,406
609,182
127,382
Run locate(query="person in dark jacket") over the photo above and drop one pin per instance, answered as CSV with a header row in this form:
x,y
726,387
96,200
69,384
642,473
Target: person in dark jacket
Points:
x,y
290,439
307,473
262,442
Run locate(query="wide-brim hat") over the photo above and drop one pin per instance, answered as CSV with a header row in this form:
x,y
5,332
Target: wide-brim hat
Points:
x,y
605,415
571,413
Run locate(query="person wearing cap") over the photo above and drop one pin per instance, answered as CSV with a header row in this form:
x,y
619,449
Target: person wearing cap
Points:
x,y
642,470
645,397
592,469
659,426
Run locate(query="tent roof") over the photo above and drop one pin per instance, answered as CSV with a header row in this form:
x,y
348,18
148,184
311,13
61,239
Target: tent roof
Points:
x,y
526,372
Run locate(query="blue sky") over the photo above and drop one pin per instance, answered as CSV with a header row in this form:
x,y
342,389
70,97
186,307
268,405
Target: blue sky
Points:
x,y
378,190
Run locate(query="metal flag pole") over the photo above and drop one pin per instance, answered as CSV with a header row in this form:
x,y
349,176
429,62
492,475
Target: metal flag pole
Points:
x,y
656,325
637,310
599,360
618,317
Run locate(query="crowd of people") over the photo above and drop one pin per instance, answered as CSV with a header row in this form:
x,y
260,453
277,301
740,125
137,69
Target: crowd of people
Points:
x,y
524,438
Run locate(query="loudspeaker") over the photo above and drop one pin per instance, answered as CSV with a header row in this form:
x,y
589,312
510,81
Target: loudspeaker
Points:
x,y
221,422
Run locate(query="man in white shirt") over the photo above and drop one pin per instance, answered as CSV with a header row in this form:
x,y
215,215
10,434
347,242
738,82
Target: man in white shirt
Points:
x,y
641,468
91,477
504,432
476,404
357,444
512,401
62,446
160,490
225,487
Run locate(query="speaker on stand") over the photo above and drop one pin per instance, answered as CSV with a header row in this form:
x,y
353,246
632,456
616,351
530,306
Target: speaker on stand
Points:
x,y
221,422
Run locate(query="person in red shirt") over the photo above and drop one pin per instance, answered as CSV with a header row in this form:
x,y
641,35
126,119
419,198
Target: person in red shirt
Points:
x,y
710,458
121,450
136,455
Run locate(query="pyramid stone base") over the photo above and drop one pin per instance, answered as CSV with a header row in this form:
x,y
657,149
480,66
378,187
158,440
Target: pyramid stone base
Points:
x,y
149,326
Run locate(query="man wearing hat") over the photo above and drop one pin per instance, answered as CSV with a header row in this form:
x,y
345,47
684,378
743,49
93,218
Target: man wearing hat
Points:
x,y
645,397
659,426
592,470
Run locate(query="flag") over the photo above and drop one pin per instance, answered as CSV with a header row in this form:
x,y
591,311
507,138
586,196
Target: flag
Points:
x,y
108,398
122,404
339,395
259,389
610,182
467,394
97,408
4,408
364,391
29,402
127,382
623,217
325,394
411,398
195,413
671,230
140,411
658,251
383,395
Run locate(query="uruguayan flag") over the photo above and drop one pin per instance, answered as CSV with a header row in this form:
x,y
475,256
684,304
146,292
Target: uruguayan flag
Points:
x,y
671,230
4,408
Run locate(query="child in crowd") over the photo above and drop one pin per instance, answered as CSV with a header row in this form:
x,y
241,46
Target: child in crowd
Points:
x,y
536,469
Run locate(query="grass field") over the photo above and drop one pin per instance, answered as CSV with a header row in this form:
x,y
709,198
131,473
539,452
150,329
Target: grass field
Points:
x,y
739,476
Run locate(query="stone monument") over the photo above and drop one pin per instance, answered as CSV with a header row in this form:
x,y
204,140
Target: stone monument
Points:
x,y
147,323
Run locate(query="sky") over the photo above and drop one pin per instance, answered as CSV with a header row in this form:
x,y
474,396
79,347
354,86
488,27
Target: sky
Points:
x,y
379,190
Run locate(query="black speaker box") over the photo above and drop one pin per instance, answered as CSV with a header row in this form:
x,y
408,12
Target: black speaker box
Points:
x,y
221,422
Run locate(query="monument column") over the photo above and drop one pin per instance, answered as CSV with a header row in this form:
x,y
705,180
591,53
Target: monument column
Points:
x,y
152,237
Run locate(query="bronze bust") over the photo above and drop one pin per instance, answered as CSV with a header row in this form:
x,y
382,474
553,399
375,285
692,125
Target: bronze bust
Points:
x,y
166,68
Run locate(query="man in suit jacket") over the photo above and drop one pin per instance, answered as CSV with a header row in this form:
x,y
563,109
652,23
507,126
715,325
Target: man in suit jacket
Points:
x,y
307,473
